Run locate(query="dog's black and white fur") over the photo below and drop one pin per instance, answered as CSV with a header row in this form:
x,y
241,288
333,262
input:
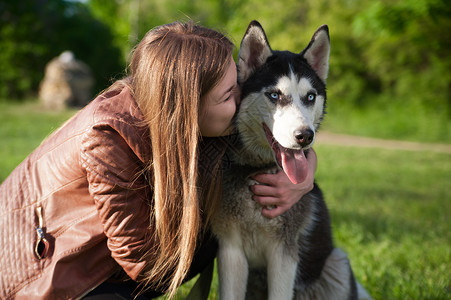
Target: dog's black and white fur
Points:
x,y
291,256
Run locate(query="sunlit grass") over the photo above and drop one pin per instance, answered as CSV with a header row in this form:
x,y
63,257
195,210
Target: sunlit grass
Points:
x,y
391,213
390,120
23,127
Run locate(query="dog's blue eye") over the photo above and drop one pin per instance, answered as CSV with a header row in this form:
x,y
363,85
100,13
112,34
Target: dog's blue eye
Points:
x,y
311,97
273,96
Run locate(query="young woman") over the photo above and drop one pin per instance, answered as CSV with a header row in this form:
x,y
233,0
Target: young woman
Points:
x,y
126,188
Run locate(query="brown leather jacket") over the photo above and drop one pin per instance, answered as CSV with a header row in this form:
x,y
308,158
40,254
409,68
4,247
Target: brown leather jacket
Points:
x,y
87,180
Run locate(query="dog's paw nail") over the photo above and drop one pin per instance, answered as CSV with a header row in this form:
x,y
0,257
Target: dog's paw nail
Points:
x,y
270,207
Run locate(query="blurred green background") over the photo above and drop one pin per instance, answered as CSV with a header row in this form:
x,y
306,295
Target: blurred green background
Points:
x,y
389,78
390,62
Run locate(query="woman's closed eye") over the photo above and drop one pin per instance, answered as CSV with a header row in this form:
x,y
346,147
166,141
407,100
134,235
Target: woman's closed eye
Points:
x,y
231,94
229,97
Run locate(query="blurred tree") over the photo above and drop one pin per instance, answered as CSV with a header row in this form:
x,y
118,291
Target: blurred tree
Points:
x,y
130,20
406,44
34,31
118,16
381,50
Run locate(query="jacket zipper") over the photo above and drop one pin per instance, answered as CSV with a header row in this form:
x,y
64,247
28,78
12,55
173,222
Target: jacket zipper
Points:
x,y
42,246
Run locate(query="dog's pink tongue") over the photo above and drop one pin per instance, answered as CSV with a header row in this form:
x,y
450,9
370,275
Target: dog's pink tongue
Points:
x,y
294,163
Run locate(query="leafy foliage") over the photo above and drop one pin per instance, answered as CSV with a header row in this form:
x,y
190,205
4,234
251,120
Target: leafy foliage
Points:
x,y
381,50
35,31
389,55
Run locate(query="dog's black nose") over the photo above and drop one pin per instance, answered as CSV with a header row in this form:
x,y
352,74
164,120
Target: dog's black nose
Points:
x,y
304,137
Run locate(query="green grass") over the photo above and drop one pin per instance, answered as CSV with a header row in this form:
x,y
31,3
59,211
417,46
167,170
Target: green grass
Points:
x,y
390,209
391,120
23,127
391,212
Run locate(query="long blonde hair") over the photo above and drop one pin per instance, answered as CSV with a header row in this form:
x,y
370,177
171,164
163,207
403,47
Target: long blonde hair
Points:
x,y
170,70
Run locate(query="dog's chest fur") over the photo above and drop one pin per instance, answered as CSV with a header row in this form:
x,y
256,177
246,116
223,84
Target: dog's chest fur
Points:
x,y
240,221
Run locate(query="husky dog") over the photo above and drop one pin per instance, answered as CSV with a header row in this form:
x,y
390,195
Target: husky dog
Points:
x,y
290,256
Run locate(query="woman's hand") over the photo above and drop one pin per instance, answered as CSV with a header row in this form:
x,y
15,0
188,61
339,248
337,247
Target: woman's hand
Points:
x,y
277,194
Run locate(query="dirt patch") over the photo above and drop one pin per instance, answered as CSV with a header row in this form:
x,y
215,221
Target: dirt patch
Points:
x,y
356,141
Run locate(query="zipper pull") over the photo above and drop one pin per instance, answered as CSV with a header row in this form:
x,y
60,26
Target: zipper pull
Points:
x,y
42,245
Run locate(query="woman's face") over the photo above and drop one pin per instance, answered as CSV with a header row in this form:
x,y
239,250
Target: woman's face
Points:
x,y
219,105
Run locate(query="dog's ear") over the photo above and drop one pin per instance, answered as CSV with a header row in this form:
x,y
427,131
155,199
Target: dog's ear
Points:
x,y
317,52
254,50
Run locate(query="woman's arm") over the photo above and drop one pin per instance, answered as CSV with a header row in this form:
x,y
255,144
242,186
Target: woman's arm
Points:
x,y
276,193
120,193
